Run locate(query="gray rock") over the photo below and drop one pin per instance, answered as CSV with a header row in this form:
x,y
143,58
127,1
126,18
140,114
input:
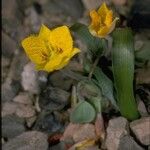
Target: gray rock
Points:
x,y
117,128
12,126
58,79
94,4
32,140
141,129
8,45
128,143
10,89
52,97
30,78
47,122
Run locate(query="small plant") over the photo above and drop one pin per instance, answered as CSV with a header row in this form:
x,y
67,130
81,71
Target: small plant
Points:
x,y
52,49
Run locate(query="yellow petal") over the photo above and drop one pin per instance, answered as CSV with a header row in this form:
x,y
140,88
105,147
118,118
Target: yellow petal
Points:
x,y
102,11
61,38
96,20
103,31
108,19
74,51
112,26
35,48
44,33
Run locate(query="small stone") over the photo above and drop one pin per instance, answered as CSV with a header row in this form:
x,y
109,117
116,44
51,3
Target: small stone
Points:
x,y
142,109
117,128
9,108
92,4
128,143
53,96
8,45
30,78
31,140
119,2
9,89
12,126
46,122
30,121
25,111
86,131
23,98
70,130
141,129
57,79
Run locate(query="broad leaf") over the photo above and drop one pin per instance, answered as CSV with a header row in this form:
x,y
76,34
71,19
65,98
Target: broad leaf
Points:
x,y
106,85
83,113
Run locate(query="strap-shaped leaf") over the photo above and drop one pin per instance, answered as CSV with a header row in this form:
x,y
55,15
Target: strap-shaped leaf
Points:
x,y
83,113
123,71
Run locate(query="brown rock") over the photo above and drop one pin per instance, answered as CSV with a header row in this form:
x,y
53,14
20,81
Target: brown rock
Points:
x,y
141,129
23,98
117,128
86,131
32,140
25,111
9,108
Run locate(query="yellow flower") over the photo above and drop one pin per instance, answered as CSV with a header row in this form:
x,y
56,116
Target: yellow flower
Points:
x,y
51,49
102,21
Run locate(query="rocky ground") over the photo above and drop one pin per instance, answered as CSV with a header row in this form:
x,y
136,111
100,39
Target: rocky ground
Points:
x,y
35,105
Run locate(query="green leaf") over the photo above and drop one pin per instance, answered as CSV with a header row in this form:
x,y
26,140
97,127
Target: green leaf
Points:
x,y
123,71
105,84
83,113
94,44
96,103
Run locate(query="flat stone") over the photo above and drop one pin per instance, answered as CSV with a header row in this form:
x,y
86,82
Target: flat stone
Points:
x,y
47,122
8,45
23,98
9,108
25,111
32,140
128,143
117,128
52,97
141,129
86,131
30,78
12,126
58,79
10,89
94,4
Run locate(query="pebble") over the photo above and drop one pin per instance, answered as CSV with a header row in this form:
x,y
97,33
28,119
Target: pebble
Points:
x,y
25,111
23,98
12,126
9,108
117,128
29,79
86,131
31,140
141,129
94,4
128,143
